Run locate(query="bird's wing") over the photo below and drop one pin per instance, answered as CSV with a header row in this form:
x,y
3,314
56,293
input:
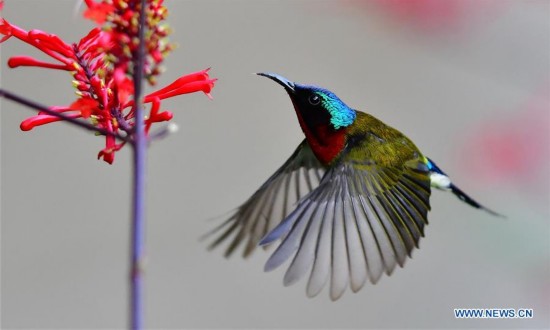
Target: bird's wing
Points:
x,y
361,221
272,202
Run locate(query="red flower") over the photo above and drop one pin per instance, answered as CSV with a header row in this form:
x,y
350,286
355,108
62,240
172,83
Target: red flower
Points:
x,y
194,82
100,66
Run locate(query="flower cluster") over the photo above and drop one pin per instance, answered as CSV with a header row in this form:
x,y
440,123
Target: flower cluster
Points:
x,y
121,20
100,65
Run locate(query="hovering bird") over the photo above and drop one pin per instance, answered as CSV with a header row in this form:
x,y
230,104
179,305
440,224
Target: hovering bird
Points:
x,y
349,204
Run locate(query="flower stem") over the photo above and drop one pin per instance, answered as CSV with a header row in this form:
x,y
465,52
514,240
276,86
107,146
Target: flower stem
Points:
x,y
137,247
31,104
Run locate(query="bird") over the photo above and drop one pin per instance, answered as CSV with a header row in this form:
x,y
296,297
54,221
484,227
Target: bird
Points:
x,y
349,205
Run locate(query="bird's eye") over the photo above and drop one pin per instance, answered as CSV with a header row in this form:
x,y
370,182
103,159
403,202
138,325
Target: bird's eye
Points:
x,y
314,99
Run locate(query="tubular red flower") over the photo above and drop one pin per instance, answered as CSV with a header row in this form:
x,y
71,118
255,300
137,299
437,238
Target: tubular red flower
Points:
x,y
18,61
51,42
50,45
194,82
195,76
39,120
195,86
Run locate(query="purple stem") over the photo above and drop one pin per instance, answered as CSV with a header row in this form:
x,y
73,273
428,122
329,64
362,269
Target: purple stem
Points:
x,y
137,247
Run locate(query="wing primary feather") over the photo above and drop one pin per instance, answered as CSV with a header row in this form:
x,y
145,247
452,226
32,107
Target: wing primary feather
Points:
x,y
246,223
286,206
356,256
398,222
393,233
219,227
237,240
257,231
371,248
285,226
269,223
235,223
404,210
340,274
386,246
297,184
269,216
305,256
322,264
224,235
291,241
389,226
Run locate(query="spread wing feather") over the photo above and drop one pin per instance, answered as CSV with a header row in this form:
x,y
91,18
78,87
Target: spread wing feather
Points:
x,y
361,221
271,203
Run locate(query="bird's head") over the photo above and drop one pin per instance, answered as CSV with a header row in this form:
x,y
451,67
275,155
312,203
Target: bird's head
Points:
x,y
315,105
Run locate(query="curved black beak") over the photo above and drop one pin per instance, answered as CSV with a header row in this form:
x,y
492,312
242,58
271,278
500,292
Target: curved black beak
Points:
x,y
287,84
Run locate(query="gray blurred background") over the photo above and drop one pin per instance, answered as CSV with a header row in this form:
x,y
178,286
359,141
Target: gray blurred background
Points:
x,y
468,81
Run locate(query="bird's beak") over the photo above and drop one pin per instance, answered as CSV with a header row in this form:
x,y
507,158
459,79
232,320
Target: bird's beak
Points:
x,y
287,84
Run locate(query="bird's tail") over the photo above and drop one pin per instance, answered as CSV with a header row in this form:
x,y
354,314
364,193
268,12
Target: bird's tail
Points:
x,y
470,201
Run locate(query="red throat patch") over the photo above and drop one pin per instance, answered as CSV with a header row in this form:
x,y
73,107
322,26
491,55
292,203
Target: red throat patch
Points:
x,y
325,142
